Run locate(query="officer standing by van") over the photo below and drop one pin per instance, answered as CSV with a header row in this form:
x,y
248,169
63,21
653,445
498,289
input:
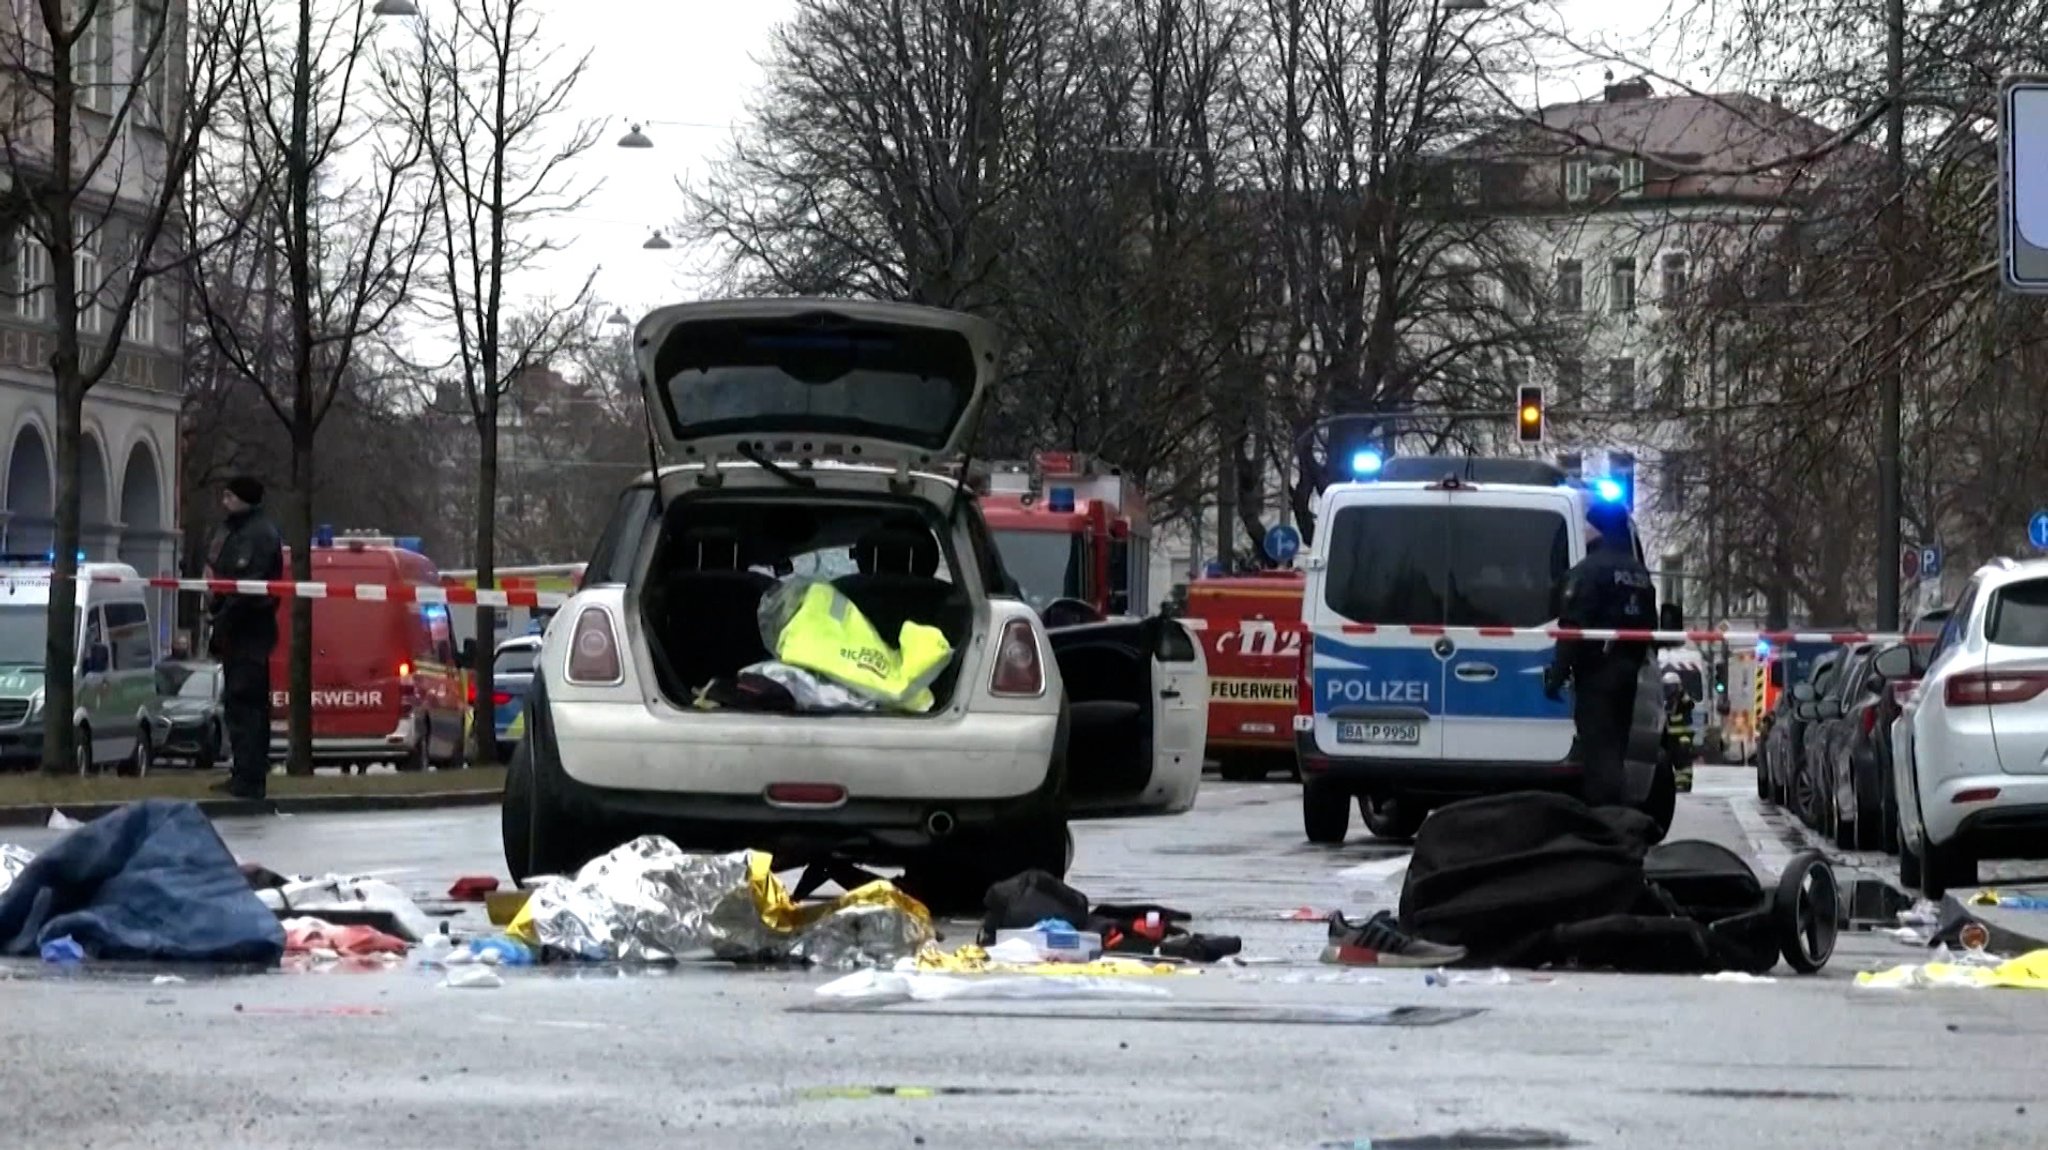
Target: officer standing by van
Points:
x,y
1609,590
244,633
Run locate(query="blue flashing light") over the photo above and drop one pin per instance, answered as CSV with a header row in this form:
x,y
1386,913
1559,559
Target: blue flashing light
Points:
x,y
1610,490
323,535
1763,648
1367,462
410,543
1060,500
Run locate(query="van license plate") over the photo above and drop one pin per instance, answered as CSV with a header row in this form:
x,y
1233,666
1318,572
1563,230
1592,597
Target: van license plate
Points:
x,y
1380,734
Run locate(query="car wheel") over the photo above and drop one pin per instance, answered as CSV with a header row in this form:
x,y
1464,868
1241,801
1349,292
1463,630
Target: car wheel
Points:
x,y
420,755
1393,818
1909,862
213,748
1325,811
81,752
1944,868
539,837
1763,780
1805,797
953,876
142,758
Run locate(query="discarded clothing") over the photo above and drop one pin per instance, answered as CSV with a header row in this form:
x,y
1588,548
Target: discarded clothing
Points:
x,y
12,860
2027,972
810,624
351,902
807,691
151,881
317,936
649,901
752,691
1022,901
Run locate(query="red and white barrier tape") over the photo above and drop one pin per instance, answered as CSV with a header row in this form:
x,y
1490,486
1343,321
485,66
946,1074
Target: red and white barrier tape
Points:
x,y
1469,634
367,592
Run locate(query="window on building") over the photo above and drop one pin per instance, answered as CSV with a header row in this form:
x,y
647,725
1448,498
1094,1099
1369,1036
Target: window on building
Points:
x,y
92,318
1514,291
1675,278
1621,285
1571,286
1672,483
1571,378
1465,183
142,328
1631,176
1621,383
1578,178
1671,389
152,63
92,59
29,285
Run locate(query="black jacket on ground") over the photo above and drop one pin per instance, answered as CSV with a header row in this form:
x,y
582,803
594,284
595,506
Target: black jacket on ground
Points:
x,y
250,549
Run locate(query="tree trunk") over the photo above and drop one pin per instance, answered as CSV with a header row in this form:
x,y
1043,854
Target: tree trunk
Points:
x,y
300,674
60,687
484,737
305,420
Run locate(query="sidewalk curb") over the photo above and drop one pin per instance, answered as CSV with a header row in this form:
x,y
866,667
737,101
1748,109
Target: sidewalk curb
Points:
x,y
38,814
2011,931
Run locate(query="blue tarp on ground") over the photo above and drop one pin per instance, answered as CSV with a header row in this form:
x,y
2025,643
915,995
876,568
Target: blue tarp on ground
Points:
x,y
151,881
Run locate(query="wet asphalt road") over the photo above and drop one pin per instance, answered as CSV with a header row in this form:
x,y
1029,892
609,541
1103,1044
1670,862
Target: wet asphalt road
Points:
x,y
714,1058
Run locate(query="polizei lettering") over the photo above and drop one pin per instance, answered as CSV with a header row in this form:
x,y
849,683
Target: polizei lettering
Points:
x,y
1412,692
338,700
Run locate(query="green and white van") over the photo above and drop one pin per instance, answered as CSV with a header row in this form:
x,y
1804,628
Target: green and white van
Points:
x,y
116,672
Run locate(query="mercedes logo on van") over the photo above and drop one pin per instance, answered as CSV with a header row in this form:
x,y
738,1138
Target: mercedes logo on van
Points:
x,y
1443,647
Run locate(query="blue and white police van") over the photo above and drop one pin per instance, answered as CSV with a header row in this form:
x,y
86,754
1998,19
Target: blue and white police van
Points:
x,y
1404,707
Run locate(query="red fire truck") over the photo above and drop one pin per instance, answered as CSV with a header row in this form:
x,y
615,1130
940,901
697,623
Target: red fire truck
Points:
x,y
1070,528
1249,623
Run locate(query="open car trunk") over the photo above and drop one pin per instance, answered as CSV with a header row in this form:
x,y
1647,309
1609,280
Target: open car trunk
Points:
x,y
718,557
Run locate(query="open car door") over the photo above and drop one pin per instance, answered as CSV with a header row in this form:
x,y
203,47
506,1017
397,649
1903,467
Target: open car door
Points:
x,y
1138,709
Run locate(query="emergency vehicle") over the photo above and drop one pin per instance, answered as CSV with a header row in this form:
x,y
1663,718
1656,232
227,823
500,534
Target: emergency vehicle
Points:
x,y
1251,625
1068,527
386,687
553,578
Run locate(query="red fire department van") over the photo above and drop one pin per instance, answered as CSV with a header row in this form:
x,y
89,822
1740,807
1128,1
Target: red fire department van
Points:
x,y
1070,528
1251,624
386,688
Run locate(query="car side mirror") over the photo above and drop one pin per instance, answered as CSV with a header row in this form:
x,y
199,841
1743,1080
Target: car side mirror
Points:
x,y
1804,712
1803,692
97,659
1895,662
1830,708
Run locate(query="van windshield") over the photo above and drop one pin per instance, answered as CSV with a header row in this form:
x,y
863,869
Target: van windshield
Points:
x,y
24,630
1456,566
1047,565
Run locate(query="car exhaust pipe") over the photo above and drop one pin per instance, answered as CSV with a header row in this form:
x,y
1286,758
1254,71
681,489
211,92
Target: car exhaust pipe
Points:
x,y
939,824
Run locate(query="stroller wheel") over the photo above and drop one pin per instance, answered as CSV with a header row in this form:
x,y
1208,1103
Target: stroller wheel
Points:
x,y
1807,906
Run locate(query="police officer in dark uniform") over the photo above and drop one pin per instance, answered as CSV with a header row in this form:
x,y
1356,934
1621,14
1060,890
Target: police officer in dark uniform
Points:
x,y
1610,590
244,632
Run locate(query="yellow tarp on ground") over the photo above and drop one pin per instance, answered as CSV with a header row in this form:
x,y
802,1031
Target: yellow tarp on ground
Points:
x,y
2027,972
974,960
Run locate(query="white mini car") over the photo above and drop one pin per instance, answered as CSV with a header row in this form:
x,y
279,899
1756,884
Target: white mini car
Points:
x,y
808,438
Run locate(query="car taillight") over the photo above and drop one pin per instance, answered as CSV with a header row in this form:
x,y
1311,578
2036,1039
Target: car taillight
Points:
x,y
594,649
1018,670
408,691
498,698
1990,688
1304,693
472,692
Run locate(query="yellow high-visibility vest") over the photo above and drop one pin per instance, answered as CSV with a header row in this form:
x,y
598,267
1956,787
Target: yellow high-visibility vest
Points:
x,y
827,635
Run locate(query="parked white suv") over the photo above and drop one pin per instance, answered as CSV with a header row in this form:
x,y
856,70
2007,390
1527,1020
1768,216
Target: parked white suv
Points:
x,y
1970,752
809,439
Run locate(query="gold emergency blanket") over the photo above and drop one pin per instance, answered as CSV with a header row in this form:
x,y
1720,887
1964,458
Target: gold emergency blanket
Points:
x,y
2027,972
650,901
972,959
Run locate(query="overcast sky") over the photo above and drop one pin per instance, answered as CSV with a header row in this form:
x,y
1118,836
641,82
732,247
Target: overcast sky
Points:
x,y
686,72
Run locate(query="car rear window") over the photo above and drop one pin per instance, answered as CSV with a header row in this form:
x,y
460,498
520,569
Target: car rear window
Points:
x,y
1462,566
2019,615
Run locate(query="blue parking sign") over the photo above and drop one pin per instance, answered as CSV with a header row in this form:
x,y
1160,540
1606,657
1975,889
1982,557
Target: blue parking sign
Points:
x,y
1930,561
2037,530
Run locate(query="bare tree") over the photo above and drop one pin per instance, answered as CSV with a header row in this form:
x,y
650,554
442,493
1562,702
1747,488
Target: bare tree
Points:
x,y
97,144
315,224
488,99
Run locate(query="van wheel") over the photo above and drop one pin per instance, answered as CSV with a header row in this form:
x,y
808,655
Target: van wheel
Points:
x,y
1394,819
144,757
81,751
421,755
1325,811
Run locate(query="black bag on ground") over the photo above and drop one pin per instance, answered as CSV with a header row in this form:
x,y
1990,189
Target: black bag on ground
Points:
x,y
1535,880
1026,899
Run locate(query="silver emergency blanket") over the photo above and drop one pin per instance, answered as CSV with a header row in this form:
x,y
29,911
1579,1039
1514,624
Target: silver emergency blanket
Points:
x,y
13,860
649,901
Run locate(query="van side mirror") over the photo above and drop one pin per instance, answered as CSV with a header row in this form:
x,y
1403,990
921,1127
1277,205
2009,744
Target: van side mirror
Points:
x,y
97,659
1895,662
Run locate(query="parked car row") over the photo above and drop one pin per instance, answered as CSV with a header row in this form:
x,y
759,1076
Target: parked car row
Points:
x,y
1934,748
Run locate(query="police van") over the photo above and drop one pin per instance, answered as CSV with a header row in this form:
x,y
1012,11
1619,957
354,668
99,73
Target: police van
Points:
x,y
1401,711
115,674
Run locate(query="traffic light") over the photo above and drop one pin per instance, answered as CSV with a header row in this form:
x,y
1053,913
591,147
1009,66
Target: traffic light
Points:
x,y
1529,413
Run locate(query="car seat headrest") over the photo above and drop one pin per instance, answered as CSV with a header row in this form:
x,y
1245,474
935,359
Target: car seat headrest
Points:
x,y
897,551
711,549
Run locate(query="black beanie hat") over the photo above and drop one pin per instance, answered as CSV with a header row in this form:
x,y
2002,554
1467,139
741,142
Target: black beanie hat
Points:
x,y
246,488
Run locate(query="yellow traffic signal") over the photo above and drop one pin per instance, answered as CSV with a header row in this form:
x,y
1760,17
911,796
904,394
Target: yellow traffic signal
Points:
x,y
1529,414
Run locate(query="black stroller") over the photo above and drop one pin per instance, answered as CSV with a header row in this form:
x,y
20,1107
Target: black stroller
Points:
x,y
1542,880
